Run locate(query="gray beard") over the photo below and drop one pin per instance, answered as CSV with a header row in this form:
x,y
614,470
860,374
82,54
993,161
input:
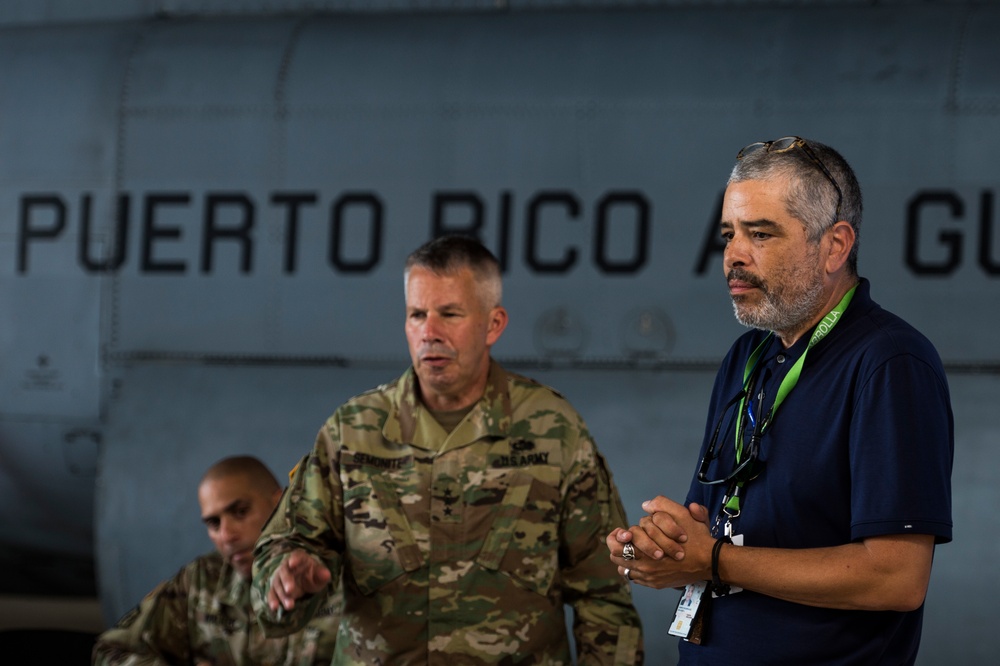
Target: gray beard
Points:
x,y
782,312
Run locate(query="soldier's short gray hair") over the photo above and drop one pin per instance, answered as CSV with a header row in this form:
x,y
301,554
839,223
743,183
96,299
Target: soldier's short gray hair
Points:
x,y
447,254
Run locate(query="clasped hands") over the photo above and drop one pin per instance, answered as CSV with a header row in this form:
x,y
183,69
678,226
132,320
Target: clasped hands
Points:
x,y
673,545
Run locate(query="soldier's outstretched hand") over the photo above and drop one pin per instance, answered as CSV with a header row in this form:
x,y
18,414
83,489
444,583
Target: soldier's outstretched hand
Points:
x,y
298,574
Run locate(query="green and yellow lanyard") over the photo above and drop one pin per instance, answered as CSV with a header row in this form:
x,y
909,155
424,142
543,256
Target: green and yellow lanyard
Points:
x,y
731,502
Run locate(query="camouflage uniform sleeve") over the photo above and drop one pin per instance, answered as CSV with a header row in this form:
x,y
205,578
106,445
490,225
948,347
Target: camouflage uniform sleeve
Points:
x,y
154,633
308,517
606,625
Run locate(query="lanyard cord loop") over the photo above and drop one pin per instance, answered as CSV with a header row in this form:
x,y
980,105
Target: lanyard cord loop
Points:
x,y
731,502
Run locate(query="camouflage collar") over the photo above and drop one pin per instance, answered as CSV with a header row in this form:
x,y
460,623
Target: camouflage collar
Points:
x,y
490,417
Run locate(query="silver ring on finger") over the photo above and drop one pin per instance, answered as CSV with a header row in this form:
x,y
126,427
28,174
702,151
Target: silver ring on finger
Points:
x,y
627,577
628,552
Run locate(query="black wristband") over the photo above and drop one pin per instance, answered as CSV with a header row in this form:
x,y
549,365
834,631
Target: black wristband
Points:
x,y
719,588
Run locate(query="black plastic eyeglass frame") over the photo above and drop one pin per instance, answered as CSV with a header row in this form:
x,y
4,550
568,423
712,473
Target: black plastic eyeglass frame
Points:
x,y
786,143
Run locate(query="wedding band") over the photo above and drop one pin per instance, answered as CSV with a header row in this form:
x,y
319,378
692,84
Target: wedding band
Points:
x,y
628,552
627,571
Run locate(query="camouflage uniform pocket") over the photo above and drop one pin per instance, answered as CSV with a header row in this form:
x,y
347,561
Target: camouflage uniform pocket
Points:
x,y
523,542
382,546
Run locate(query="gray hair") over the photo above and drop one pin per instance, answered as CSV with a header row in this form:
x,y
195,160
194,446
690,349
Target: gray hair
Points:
x,y
811,198
447,254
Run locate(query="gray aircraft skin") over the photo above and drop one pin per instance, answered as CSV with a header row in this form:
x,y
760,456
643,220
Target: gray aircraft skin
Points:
x,y
205,208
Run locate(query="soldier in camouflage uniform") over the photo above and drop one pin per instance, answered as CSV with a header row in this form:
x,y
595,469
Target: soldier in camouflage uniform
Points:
x,y
461,505
202,615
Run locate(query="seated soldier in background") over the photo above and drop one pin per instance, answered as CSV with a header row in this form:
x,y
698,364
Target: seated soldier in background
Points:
x,y
202,615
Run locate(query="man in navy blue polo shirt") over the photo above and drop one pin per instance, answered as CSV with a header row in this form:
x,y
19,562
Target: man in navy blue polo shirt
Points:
x,y
824,480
